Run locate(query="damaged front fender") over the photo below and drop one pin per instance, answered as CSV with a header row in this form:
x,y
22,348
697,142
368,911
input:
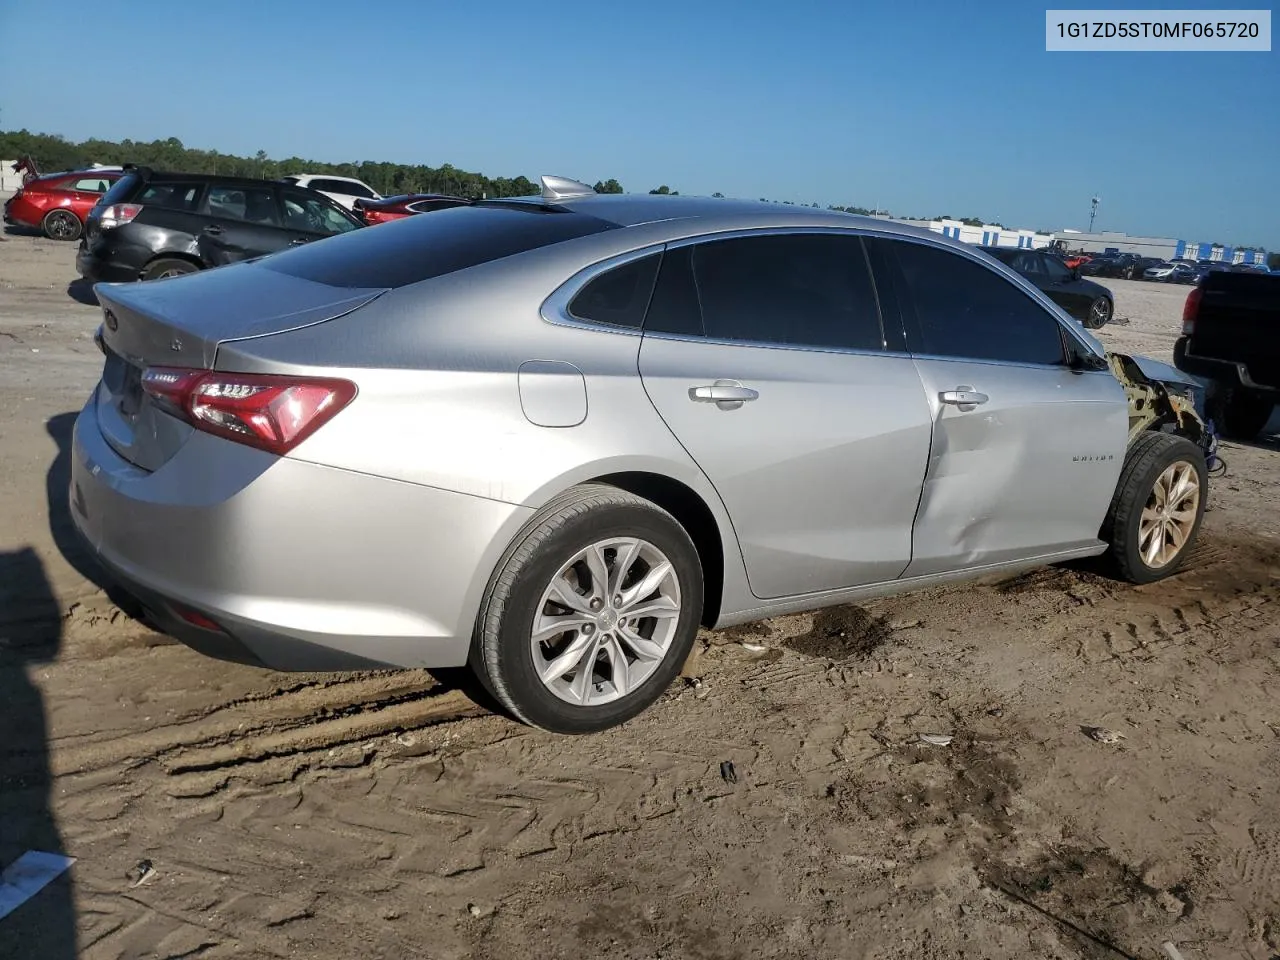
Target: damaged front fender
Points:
x,y
1162,398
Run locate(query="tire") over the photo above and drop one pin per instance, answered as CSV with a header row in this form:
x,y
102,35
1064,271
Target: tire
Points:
x,y
168,267
504,655
61,225
1240,414
1099,313
1136,547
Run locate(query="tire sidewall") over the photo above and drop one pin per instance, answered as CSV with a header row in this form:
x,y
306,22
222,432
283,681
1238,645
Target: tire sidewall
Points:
x,y
151,273
1127,538
515,663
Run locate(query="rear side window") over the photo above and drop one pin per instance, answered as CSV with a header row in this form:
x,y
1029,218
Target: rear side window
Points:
x,y
88,185
425,247
170,196
251,204
963,310
341,186
618,297
811,290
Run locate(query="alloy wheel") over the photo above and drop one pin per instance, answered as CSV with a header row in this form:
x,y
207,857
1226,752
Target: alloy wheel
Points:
x,y
606,621
1169,516
1100,312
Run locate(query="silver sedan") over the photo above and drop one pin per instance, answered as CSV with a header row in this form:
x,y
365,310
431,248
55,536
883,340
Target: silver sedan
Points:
x,y
551,437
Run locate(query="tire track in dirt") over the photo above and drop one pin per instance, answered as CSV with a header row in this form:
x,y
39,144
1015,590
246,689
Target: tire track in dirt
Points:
x,y
301,719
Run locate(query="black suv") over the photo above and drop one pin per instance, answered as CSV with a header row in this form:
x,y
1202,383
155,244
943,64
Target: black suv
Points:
x,y
151,225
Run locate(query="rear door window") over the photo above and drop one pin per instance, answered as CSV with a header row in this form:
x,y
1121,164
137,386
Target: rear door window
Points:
x,y
90,185
805,290
342,187
250,204
170,196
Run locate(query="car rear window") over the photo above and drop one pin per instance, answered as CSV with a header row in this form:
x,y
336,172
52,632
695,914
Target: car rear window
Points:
x,y
122,189
420,248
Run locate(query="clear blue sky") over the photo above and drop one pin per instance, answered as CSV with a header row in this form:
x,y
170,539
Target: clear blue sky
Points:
x,y
923,108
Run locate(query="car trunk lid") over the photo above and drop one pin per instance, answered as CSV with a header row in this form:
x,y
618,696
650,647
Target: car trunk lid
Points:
x,y
181,322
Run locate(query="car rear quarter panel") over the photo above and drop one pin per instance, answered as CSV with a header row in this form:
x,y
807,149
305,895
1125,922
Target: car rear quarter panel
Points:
x,y
439,404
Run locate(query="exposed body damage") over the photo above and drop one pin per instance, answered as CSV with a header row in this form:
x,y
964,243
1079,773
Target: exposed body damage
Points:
x,y
1157,402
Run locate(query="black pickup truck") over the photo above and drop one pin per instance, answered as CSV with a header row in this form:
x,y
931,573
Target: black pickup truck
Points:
x,y
1231,337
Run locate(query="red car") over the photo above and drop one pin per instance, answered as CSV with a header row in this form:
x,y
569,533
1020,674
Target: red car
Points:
x,y
404,205
58,203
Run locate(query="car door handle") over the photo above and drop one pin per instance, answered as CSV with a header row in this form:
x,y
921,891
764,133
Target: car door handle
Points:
x,y
963,397
722,393
298,242
213,230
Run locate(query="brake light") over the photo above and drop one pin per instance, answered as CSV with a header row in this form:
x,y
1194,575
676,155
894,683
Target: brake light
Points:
x,y
1189,311
270,412
118,214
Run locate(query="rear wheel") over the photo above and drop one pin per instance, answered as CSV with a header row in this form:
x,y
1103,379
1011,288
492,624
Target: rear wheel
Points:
x,y
61,225
1158,505
591,613
168,267
1099,313
1240,414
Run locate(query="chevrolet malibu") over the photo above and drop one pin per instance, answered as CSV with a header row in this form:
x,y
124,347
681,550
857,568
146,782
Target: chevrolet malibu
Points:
x,y
551,437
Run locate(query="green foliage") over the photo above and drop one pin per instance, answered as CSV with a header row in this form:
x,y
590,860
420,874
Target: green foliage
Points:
x,y
53,153
663,190
1273,261
608,186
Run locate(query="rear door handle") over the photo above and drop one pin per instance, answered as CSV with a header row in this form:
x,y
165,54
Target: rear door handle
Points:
x,y
298,242
963,397
213,230
726,394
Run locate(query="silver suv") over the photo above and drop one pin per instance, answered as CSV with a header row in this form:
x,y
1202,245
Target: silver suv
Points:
x,y
551,437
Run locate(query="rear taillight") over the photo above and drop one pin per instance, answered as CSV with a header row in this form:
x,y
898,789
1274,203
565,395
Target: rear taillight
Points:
x,y
273,413
118,214
1189,311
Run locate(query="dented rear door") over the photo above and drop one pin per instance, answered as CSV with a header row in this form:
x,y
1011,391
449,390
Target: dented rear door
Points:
x,y
1026,451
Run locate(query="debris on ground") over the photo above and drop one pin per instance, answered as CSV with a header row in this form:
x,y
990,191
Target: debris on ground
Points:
x,y
1103,735
727,773
935,739
142,872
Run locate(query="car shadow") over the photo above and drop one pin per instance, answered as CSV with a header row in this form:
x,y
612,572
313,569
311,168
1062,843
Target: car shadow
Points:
x,y
81,291
61,526
30,638
13,230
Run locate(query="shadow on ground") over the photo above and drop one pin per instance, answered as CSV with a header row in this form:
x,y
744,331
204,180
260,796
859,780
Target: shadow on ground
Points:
x,y
81,291
30,636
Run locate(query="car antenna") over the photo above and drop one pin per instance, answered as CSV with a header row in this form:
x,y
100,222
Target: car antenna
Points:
x,y
562,188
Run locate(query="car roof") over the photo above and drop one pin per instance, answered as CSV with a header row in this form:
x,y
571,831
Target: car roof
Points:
x,y
170,176
711,214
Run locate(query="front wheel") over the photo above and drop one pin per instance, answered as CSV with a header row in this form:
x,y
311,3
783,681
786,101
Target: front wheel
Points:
x,y
1158,506
1099,313
591,613
61,225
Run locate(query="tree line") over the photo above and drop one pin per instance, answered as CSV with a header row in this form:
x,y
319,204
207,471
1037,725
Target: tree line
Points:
x,y
53,152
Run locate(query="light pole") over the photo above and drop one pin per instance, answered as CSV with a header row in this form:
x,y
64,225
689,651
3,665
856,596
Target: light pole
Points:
x,y
1093,211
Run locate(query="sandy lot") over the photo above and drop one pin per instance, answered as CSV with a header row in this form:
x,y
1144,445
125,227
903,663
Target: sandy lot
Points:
x,y
389,816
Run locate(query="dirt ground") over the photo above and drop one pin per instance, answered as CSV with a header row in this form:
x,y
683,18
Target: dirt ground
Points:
x,y
776,803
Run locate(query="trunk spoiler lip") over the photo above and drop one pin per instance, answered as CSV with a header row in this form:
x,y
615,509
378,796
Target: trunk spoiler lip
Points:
x,y
134,298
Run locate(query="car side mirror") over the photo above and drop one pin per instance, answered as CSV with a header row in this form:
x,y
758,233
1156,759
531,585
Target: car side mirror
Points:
x,y
1081,359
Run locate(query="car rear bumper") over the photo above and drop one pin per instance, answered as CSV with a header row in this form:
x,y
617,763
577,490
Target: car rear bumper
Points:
x,y
1221,371
291,565
94,262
